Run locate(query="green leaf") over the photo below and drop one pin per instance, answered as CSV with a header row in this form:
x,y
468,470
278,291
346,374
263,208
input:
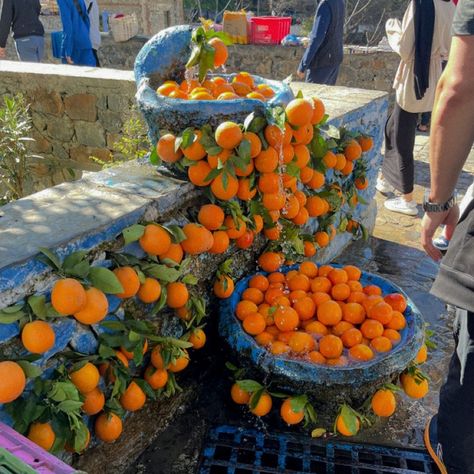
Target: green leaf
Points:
x,y
51,258
349,418
213,150
81,270
106,352
194,58
11,314
190,279
254,123
244,151
73,259
51,312
318,432
300,95
318,146
214,173
161,272
187,138
37,303
113,325
177,233
133,233
105,280
249,385
298,403
225,180
206,60
70,406
293,170
333,132
154,158
80,437
31,371
160,304
12,309
145,386
255,398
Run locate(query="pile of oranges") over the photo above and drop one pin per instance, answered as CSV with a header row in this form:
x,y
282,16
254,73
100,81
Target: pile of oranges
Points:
x,y
242,85
321,315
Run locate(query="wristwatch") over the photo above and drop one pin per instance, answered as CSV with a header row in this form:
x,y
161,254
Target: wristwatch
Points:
x,y
437,207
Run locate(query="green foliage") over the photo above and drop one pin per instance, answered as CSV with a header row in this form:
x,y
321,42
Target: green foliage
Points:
x,y
16,164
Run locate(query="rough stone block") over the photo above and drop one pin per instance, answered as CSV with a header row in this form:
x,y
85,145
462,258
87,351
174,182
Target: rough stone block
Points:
x,y
118,103
41,144
81,107
111,121
39,121
90,134
8,331
112,139
47,102
82,154
60,152
61,129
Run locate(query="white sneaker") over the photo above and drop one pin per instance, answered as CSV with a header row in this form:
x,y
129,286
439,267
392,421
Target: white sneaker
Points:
x,y
399,204
383,187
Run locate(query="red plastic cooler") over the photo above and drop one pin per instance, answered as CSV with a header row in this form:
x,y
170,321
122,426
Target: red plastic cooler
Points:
x,y
269,29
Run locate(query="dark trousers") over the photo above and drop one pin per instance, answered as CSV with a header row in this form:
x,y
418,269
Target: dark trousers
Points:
x,y
456,408
398,166
323,75
96,56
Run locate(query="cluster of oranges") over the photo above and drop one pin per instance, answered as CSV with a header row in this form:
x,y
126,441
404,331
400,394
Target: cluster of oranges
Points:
x,y
322,315
242,85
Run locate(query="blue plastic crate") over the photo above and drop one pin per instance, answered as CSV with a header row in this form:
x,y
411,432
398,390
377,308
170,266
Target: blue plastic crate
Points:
x,y
235,450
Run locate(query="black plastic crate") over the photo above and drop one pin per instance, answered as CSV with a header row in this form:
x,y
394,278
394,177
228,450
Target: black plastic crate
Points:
x,y
235,450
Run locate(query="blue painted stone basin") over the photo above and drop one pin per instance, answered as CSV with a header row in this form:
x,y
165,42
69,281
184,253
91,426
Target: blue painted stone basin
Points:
x,y
163,58
318,378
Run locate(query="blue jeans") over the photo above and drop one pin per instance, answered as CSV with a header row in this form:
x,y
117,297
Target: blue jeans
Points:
x,y
323,75
30,48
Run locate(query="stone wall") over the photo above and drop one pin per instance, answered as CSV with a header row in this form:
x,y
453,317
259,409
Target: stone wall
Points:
x,y
77,112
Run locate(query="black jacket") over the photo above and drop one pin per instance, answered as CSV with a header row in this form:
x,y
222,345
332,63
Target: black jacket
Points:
x,y
22,17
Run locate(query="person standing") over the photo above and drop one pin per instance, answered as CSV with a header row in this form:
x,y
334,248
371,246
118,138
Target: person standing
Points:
x,y
22,17
323,56
76,46
422,40
94,32
449,435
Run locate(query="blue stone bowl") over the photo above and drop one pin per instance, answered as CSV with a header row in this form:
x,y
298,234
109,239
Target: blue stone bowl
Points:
x,y
163,58
299,372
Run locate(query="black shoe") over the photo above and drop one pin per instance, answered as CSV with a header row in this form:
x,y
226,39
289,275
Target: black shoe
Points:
x,y
432,444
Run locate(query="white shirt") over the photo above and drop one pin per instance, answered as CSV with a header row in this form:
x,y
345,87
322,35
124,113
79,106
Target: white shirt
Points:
x,y
94,32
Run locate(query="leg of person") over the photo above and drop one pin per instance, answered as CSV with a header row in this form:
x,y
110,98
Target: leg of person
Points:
x,y
424,122
322,75
455,420
96,56
398,166
40,47
26,49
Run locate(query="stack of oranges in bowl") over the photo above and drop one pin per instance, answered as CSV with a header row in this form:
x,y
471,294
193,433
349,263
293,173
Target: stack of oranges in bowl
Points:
x,y
322,315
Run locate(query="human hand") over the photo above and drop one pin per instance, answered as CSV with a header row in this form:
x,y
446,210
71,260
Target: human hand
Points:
x,y
300,74
69,60
431,221
3,53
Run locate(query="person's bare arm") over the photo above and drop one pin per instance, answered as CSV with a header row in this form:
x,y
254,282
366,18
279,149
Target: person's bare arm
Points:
x,y
452,135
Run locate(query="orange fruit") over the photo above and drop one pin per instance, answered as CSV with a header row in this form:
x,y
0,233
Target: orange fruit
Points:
x,y
221,52
361,183
68,296
222,157
211,216
150,291
254,324
316,357
315,206
221,242
195,151
235,229
156,378
198,239
381,344
267,160
299,112
42,434
263,406
338,361
366,143
108,427
279,347
223,286
353,150
129,355
258,223
245,191
156,358
381,312
256,95
343,429
361,352
155,240
270,261
338,275
320,297
86,378
272,295
309,269
253,294
317,181
269,183
330,159
225,189
303,135
398,321
244,78
292,207
306,174
309,249
318,110
180,363
264,338
305,307
341,327
340,162
330,346
286,318
301,219
13,381
259,282
201,95
96,308
238,395
166,89
371,329
301,342
274,135
302,156
322,238
289,415
351,337
329,313
325,270
244,308
396,301
393,335
178,94
228,135
241,89
355,286
348,168
227,96
198,173
198,338
415,386
340,292
129,280
422,355
165,149
353,313
177,294
38,337
353,272
370,301
299,282
94,402
321,284
383,403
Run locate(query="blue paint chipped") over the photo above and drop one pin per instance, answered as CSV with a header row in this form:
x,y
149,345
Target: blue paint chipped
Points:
x,y
8,332
84,341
